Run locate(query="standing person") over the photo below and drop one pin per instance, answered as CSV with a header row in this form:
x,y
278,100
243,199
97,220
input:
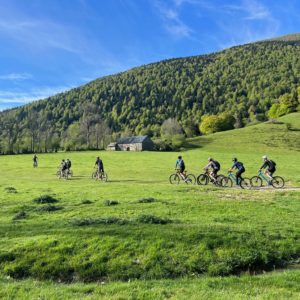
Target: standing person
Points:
x,y
270,165
214,166
240,170
181,166
35,161
100,167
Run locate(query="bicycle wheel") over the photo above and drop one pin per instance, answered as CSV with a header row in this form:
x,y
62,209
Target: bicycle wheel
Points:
x,y
245,183
104,177
174,179
202,179
70,173
190,179
58,174
65,175
94,175
226,182
219,179
277,182
256,181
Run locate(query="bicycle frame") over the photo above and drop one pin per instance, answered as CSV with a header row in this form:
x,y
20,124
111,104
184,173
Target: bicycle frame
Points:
x,y
262,176
181,175
232,176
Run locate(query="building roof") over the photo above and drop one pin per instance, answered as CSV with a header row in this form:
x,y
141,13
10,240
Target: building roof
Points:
x,y
132,140
112,145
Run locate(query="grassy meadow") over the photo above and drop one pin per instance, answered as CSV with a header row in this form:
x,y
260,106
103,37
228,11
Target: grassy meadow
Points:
x,y
88,239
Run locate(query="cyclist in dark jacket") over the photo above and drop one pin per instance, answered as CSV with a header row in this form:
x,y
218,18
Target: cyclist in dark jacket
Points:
x,y
99,164
240,169
69,164
270,165
215,167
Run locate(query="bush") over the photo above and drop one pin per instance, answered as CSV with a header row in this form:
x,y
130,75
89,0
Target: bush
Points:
x,y
215,123
162,145
178,141
45,199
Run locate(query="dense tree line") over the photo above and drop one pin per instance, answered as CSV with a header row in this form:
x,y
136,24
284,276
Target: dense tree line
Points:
x,y
243,82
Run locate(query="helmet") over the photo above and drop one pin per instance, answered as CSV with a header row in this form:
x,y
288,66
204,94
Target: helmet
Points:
x,y
265,157
234,159
179,157
210,159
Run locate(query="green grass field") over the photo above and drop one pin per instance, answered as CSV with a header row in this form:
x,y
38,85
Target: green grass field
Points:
x,y
171,246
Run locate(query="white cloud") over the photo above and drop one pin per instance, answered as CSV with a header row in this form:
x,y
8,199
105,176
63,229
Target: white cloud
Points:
x,y
16,76
252,9
23,97
172,21
249,21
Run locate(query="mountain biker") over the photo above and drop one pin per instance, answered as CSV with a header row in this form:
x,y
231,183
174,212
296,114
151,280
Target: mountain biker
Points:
x,y
180,165
63,166
100,166
69,164
270,165
35,161
214,166
240,167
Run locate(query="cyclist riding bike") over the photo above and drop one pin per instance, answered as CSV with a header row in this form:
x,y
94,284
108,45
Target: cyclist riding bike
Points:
x,y
214,167
240,167
270,165
63,167
180,166
100,167
69,164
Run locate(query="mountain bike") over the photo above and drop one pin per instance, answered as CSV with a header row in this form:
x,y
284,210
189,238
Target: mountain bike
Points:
x,y
205,178
228,181
187,178
62,174
276,182
101,176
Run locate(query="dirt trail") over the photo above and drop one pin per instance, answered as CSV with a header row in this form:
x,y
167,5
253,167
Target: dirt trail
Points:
x,y
271,189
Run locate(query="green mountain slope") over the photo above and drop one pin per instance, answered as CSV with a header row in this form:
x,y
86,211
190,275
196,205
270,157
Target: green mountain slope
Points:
x,y
242,80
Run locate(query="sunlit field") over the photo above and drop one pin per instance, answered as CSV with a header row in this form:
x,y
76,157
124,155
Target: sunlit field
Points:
x,y
138,227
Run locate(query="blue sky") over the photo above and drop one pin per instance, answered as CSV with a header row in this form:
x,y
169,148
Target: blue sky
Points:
x,y
49,46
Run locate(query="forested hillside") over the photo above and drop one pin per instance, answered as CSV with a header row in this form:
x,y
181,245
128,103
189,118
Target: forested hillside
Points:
x,y
243,81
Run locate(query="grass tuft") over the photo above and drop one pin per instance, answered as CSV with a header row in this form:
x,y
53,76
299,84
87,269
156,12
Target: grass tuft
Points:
x,y
146,200
45,199
86,202
11,190
20,215
48,208
111,202
150,219
104,221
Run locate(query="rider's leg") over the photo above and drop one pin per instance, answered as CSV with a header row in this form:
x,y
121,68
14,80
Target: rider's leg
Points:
x,y
238,176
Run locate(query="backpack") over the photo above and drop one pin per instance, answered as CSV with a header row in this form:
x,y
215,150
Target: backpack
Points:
x,y
217,164
273,163
181,164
